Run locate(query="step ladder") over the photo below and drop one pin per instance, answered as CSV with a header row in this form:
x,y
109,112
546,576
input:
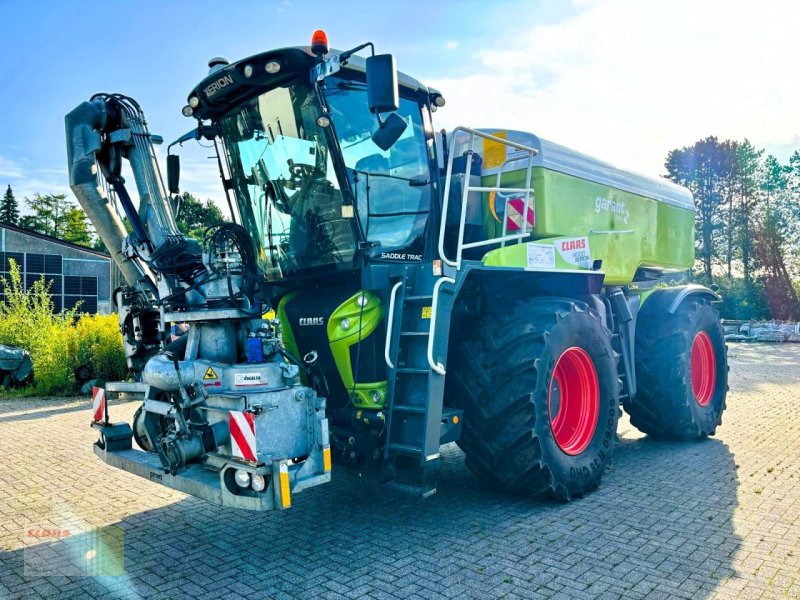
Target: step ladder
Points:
x,y
416,421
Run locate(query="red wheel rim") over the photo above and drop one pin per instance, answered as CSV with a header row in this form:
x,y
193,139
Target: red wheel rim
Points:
x,y
703,368
573,401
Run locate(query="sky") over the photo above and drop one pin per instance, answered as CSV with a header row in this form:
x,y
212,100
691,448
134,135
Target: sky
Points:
x,y
622,80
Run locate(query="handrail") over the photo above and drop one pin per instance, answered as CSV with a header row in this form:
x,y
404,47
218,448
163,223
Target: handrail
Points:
x,y
390,323
433,364
467,189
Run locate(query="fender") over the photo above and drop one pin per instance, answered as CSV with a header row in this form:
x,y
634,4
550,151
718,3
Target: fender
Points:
x,y
669,299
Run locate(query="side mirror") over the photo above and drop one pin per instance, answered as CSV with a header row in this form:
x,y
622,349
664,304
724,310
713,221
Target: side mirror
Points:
x,y
382,92
173,172
389,131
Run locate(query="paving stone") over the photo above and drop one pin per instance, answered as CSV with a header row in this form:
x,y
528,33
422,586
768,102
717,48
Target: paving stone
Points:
x,y
715,519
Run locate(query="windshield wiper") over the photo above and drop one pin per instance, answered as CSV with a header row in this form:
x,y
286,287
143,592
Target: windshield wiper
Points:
x,y
417,181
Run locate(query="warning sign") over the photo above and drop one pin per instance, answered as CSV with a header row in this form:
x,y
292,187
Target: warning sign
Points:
x,y
514,215
210,374
426,312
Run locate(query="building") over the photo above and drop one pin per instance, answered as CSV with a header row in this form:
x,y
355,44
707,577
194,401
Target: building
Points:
x,y
76,274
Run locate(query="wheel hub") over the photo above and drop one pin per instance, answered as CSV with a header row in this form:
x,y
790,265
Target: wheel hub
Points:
x,y
703,368
574,401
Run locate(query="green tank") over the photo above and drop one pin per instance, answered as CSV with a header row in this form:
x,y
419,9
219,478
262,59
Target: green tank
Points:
x,y
584,210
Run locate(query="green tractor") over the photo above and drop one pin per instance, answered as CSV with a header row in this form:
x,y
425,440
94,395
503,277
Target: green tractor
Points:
x,y
479,286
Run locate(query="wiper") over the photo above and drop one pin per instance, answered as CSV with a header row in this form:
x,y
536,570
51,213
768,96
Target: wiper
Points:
x,y
417,181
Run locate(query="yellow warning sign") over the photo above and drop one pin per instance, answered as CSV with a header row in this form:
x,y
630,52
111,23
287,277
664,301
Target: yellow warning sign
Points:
x,y
426,312
494,153
210,374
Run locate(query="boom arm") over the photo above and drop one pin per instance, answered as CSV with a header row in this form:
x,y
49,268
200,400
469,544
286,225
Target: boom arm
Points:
x,y
100,133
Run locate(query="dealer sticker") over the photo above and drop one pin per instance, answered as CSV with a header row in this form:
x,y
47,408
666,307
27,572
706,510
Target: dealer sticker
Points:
x,y
244,379
575,251
541,256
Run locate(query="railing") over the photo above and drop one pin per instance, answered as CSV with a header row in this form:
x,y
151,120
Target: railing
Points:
x,y
387,349
525,229
432,363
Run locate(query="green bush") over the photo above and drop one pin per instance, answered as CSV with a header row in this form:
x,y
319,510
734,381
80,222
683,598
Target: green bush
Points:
x,y
742,301
58,343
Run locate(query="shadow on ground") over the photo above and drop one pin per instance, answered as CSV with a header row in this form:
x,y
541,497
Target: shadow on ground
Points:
x,y
660,526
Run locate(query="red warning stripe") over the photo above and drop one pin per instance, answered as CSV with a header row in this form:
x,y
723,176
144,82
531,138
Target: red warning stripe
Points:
x,y
243,434
98,404
514,216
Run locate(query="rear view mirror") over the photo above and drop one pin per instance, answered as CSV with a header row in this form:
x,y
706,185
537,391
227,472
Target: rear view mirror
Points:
x,y
382,91
173,172
389,131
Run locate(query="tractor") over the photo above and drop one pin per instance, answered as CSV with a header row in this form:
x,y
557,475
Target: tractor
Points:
x,y
383,289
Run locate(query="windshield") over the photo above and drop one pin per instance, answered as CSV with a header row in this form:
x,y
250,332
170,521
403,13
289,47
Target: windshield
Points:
x,y
287,192
391,187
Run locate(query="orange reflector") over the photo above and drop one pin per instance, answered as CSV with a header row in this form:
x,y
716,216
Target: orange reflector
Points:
x,y
455,419
319,42
326,459
286,494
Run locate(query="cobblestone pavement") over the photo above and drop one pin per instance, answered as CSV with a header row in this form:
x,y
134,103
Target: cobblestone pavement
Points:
x,y
698,520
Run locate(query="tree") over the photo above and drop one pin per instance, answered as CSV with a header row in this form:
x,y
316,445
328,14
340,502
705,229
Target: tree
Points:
x,y
76,229
9,210
194,216
701,167
747,167
49,214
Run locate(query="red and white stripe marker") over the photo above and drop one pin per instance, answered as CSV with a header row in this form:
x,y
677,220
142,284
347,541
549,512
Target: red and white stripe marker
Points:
x,y
98,404
243,435
514,214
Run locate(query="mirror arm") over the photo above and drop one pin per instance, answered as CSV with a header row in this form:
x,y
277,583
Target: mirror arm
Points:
x,y
345,56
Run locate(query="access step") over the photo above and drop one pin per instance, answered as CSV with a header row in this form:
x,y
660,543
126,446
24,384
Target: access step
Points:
x,y
412,371
409,409
405,449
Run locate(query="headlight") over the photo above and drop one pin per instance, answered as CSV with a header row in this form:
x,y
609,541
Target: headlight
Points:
x,y
362,300
194,101
248,70
187,111
242,478
272,67
345,324
259,483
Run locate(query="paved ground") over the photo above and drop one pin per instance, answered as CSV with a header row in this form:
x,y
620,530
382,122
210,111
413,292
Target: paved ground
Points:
x,y
712,519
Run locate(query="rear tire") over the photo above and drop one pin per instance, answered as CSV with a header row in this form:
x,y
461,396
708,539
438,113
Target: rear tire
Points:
x,y
681,372
540,393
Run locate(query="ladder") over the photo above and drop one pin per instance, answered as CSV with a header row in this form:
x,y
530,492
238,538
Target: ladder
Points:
x,y
416,421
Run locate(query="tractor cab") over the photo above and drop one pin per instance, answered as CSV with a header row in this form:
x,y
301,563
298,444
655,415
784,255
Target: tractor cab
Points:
x,y
319,171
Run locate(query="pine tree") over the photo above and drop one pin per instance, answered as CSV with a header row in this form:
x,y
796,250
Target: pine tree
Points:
x,y
9,210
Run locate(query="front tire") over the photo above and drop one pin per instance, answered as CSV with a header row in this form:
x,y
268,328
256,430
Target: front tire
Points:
x,y
540,392
681,372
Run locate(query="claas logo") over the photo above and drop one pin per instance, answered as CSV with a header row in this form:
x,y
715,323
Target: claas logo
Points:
x,y
579,244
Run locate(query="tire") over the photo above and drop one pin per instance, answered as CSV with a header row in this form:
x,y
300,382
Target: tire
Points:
x,y
681,372
506,377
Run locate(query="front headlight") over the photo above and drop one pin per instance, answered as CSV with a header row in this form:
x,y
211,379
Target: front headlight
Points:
x,y
259,483
242,478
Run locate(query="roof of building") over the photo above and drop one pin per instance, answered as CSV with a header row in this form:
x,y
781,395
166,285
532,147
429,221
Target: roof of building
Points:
x,y
52,239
